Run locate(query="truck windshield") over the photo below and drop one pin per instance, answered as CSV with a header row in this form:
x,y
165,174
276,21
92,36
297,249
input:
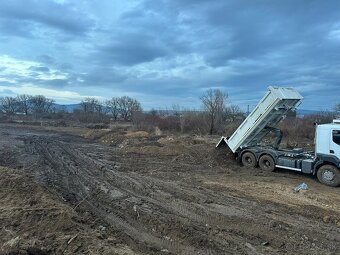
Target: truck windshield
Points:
x,y
336,136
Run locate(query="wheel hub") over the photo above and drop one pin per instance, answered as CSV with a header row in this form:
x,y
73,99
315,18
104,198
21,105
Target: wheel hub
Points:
x,y
328,175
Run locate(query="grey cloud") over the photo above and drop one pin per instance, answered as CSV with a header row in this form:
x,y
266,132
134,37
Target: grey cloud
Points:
x,y
47,59
133,49
7,92
42,69
260,27
102,77
15,28
49,13
146,36
54,83
48,83
8,84
168,87
34,77
224,30
64,66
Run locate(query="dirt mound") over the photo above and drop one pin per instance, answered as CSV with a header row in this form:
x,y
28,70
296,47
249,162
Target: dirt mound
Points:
x,y
134,134
95,133
116,137
121,139
167,146
33,221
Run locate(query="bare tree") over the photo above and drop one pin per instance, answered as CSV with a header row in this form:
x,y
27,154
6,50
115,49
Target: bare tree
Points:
x,y
214,104
90,105
24,103
9,105
153,112
91,110
100,108
233,112
176,108
128,106
337,108
41,104
113,107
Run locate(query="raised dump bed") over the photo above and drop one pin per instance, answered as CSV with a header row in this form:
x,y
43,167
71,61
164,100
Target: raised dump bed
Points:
x,y
268,112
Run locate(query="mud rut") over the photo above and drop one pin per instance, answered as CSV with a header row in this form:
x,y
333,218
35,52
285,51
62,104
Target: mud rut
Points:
x,y
156,213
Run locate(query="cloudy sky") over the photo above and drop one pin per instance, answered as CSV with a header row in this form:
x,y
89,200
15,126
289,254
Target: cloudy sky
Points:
x,y
166,52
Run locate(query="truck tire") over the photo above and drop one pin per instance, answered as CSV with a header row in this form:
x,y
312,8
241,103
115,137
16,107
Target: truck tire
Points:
x,y
248,159
329,175
267,163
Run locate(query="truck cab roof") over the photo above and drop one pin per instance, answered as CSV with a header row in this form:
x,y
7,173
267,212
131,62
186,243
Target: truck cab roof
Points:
x,y
334,125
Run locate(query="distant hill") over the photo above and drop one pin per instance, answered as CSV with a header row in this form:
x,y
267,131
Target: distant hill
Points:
x,y
308,112
66,107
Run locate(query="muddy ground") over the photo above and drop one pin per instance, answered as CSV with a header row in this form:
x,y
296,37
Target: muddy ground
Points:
x,y
68,191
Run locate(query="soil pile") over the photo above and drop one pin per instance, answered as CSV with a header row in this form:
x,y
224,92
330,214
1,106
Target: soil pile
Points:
x,y
34,221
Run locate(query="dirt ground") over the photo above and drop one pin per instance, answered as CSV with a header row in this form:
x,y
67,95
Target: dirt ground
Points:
x,y
68,191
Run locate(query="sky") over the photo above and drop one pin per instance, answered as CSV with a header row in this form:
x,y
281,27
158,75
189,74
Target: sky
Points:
x,y
169,52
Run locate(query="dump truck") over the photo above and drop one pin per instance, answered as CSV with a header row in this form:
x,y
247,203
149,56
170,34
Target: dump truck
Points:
x,y
247,145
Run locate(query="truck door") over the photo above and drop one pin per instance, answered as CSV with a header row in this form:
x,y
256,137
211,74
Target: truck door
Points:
x,y
334,148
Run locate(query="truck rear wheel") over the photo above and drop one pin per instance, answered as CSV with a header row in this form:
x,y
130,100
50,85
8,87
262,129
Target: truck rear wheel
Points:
x,y
267,163
248,159
329,175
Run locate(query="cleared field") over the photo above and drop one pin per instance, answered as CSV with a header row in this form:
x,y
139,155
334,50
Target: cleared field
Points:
x,y
137,193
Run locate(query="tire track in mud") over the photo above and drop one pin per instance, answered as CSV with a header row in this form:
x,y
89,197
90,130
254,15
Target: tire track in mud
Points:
x,y
75,176
160,215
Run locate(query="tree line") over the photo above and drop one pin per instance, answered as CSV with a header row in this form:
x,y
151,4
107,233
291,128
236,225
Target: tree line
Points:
x,y
26,104
119,108
92,110
90,107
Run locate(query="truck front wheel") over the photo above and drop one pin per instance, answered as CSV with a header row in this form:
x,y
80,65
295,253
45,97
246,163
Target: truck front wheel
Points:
x,y
329,175
267,163
248,159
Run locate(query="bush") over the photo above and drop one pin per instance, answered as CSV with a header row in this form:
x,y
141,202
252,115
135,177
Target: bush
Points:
x,y
98,126
148,122
188,122
90,117
194,122
295,128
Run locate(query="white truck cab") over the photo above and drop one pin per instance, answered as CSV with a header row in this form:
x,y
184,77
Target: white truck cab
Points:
x,y
245,142
327,153
327,139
